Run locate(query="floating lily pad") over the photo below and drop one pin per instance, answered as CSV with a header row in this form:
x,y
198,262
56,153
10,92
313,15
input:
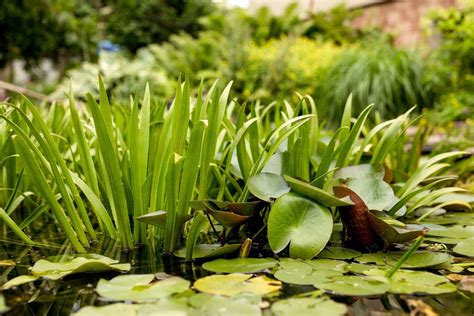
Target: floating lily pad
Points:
x,y
240,265
421,259
453,232
19,280
411,282
294,220
208,251
205,304
328,264
364,171
165,308
465,247
339,253
315,276
91,263
355,285
308,306
140,287
267,186
315,194
235,284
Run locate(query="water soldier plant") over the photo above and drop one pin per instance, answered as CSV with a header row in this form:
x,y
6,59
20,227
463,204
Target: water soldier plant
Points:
x,y
203,176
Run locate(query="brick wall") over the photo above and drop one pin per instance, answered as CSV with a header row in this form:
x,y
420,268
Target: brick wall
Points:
x,y
401,17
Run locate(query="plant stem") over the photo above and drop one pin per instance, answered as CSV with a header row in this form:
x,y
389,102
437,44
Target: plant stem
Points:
x,y
405,257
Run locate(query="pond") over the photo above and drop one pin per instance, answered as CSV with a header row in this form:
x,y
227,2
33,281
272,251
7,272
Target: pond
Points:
x,y
70,294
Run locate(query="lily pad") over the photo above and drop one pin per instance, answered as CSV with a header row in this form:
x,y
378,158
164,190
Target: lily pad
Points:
x,y
240,265
235,284
453,232
328,264
355,285
417,282
228,219
308,306
465,247
315,276
376,193
205,304
421,259
165,308
267,186
339,253
315,194
208,251
294,220
19,280
140,287
364,171
90,263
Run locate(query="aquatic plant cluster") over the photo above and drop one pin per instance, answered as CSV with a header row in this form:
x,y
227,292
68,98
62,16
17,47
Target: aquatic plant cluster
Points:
x,y
283,199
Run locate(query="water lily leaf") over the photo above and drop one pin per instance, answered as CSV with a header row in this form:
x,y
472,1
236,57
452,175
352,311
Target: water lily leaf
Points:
x,y
465,247
7,262
339,253
165,308
411,282
240,265
205,304
235,284
3,305
376,193
228,219
19,280
91,263
267,186
328,264
277,164
316,194
464,197
421,259
364,171
308,306
208,251
453,232
139,287
294,220
209,204
294,276
355,285
157,218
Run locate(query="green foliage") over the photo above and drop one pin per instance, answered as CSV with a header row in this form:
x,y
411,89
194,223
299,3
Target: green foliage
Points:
x,y
137,23
31,30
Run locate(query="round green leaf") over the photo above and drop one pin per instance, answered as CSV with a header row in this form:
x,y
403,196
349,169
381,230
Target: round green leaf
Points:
x,y
465,247
308,306
339,253
301,223
421,259
139,287
235,284
364,171
355,285
267,186
208,251
240,265
206,304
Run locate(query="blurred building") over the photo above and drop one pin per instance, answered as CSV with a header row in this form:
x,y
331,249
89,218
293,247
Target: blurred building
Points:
x,y
400,17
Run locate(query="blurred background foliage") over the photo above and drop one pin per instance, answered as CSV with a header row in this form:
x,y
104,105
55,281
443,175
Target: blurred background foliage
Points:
x,y
131,42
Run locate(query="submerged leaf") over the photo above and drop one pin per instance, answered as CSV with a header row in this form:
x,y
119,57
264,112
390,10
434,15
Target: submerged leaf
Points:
x,y
240,265
294,220
235,284
138,287
308,306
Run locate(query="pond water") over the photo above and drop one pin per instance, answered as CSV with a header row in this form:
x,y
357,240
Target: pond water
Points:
x,y
66,296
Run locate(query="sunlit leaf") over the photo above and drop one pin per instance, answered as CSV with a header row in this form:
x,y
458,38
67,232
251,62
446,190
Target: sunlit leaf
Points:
x,y
465,247
308,306
267,186
240,265
234,284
